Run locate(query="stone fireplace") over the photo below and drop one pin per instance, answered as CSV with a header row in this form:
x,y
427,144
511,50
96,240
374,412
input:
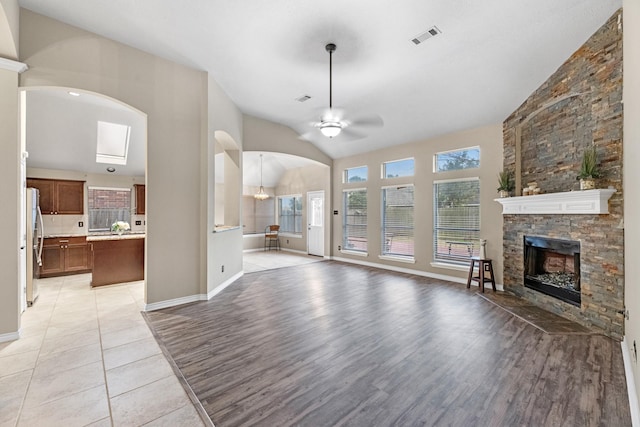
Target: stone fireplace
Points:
x,y
552,266
578,106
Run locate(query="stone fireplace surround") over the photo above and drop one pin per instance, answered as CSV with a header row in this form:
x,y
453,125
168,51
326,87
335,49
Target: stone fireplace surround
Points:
x,y
579,105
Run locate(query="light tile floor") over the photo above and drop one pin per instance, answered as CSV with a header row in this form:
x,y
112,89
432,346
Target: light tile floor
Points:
x,y
268,260
87,357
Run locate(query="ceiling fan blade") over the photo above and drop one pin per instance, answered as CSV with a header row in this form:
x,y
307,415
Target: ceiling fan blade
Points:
x,y
368,121
350,134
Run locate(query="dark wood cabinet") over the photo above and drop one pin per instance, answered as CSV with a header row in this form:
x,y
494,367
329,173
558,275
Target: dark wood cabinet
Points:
x,y
117,261
140,199
65,255
59,197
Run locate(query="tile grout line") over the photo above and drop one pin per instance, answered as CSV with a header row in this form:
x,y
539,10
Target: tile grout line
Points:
x,y
24,398
104,369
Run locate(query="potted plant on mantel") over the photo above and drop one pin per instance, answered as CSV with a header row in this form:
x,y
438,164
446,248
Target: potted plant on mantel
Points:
x,y
506,183
589,170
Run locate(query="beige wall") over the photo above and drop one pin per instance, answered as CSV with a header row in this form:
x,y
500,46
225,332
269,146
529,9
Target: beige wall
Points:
x,y
488,138
10,207
631,96
9,28
262,135
174,98
220,249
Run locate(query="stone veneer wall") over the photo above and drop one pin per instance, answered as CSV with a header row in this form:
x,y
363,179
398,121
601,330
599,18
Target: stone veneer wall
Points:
x,y
552,141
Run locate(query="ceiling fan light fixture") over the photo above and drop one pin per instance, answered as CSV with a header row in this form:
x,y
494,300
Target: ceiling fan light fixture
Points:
x,y
330,129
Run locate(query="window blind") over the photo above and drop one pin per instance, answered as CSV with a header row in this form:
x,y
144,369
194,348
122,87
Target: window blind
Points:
x,y
397,221
354,220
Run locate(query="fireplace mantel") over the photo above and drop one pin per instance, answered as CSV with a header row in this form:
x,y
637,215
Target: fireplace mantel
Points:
x,y
570,202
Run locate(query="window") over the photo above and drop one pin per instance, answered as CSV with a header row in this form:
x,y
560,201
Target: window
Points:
x,y
397,221
108,205
290,214
397,168
358,174
354,222
257,214
468,158
456,220
113,143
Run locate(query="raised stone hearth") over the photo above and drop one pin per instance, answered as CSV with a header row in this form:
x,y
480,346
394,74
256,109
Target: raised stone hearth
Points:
x,y
578,106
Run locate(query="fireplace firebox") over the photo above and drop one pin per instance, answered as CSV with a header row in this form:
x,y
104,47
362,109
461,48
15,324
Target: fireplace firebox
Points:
x,y
552,266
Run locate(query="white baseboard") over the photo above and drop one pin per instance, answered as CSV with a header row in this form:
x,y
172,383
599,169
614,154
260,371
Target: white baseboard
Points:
x,y
631,385
192,298
295,251
252,250
226,283
11,336
412,271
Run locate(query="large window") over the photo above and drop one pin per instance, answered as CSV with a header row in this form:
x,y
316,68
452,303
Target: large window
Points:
x,y
456,220
354,222
467,158
108,205
257,214
358,174
398,168
397,221
290,214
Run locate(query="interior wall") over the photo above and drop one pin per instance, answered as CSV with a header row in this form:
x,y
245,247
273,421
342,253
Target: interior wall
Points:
x,y
174,98
301,181
9,28
263,135
631,96
488,138
9,208
221,249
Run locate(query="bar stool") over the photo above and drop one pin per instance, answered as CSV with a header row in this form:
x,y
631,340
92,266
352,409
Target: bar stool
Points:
x,y
484,265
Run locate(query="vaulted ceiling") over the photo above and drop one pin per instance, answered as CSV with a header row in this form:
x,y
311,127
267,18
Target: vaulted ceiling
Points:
x,y
489,56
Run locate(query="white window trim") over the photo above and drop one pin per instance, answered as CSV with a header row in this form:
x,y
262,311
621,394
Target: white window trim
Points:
x,y
443,263
351,252
398,160
287,233
398,258
344,175
354,189
435,159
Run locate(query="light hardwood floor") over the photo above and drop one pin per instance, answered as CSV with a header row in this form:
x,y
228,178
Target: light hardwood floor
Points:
x,y
329,344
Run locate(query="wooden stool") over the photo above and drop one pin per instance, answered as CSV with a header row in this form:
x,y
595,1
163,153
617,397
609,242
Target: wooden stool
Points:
x,y
484,265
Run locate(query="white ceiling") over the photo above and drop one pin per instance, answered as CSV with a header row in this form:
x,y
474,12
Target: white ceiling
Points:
x,y
62,131
490,56
274,167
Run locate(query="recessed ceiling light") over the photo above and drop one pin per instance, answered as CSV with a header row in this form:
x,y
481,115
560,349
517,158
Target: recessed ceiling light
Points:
x,y
73,93
111,169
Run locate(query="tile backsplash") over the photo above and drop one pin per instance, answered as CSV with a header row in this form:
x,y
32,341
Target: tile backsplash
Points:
x,y
69,224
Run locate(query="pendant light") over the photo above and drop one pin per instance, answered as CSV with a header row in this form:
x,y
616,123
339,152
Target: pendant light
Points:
x,y
330,128
261,195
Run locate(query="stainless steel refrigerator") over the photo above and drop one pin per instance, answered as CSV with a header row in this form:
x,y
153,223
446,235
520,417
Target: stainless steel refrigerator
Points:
x,y
35,239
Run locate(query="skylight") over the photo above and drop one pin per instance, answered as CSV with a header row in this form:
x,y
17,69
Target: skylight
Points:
x,y
113,143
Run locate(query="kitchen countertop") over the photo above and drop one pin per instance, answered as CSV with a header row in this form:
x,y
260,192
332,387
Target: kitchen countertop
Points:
x,y
91,236
125,236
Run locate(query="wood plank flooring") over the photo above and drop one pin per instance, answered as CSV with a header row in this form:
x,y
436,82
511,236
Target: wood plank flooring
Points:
x,y
330,343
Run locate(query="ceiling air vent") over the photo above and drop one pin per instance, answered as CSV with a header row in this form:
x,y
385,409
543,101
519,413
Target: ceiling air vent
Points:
x,y
433,31
303,98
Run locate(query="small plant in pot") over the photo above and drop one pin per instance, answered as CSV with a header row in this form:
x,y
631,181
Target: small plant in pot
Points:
x,y
506,183
589,170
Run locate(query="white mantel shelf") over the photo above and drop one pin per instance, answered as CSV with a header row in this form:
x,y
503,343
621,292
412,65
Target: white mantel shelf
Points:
x,y
571,202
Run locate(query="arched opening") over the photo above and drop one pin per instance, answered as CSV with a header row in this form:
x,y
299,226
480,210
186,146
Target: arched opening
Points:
x,y
87,160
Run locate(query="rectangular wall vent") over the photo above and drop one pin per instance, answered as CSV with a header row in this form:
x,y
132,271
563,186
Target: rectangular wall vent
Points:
x,y
433,31
303,98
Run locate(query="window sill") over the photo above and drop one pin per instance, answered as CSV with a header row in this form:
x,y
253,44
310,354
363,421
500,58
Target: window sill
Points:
x,y
450,266
294,236
408,260
348,252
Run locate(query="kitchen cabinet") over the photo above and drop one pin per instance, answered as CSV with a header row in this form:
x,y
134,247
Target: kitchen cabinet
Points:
x,y
59,197
117,259
65,255
140,199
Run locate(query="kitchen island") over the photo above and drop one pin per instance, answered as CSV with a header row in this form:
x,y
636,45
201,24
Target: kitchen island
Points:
x,y
117,258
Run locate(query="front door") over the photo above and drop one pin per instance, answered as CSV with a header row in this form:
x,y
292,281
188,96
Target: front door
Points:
x,y
315,219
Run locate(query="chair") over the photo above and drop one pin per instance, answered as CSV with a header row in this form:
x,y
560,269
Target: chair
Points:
x,y
271,237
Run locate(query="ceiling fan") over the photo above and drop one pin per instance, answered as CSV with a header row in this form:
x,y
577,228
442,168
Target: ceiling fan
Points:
x,y
333,123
